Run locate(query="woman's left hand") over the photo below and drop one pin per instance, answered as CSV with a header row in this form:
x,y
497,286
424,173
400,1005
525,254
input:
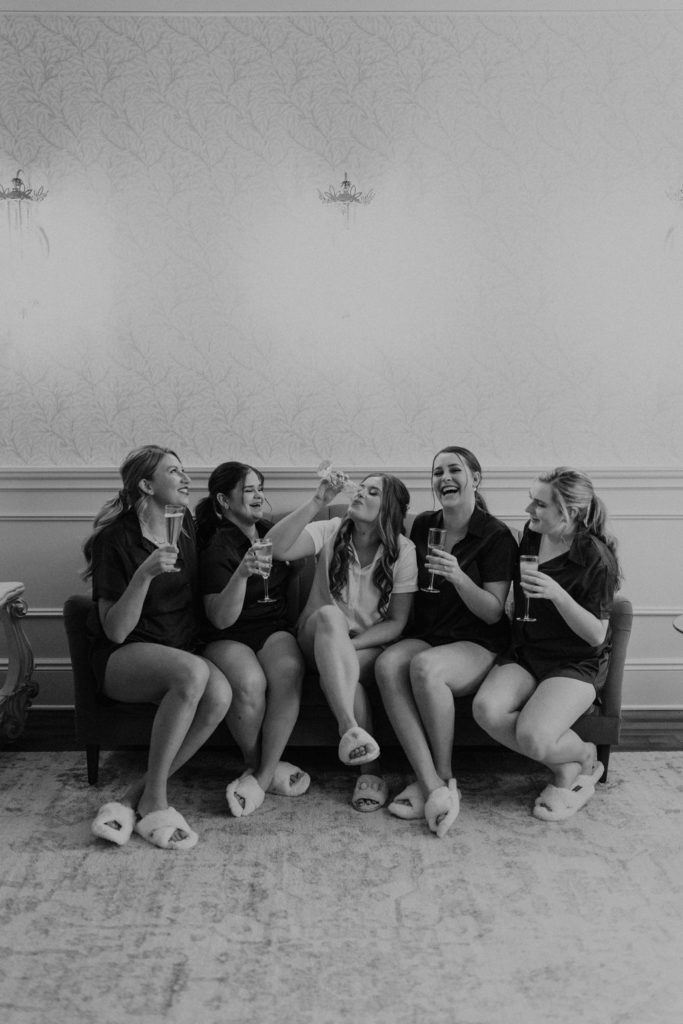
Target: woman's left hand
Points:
x,y
538,584
444,564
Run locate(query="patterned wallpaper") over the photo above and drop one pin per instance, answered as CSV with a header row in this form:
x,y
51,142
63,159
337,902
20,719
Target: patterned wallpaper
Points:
x,y
515,285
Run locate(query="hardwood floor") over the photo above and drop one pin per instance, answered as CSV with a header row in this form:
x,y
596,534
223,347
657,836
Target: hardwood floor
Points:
x,y
53,729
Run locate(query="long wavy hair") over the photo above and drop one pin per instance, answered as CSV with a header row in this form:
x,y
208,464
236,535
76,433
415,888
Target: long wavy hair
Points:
x,y
208,514
138,465
390,525
573,492
472,463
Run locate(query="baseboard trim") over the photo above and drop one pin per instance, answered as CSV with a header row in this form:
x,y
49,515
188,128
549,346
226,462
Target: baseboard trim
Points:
x,y
651,729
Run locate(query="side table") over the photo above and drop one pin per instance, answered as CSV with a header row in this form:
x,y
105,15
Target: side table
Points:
x,y
19,688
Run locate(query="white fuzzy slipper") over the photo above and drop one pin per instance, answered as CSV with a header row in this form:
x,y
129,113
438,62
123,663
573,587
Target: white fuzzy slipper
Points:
x,y
114,822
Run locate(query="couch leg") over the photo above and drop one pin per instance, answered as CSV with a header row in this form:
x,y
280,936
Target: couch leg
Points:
x,y
603,755
92,754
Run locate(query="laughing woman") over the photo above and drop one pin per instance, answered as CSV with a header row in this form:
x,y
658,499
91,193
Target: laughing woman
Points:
x,y
454,637
558,662
250,640
359,602
144,639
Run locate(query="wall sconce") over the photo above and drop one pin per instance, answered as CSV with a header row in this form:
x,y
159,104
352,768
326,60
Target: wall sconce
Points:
x,y
346,197
19,199
19,191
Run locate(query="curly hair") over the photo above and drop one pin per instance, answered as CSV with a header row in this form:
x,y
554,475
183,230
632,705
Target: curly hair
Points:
x,y
390,525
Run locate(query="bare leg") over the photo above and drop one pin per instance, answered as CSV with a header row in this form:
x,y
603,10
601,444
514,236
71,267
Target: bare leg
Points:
x,y
437,676
535,720
544,730
193,696
283,666
325,640
500,699
247,679
392,672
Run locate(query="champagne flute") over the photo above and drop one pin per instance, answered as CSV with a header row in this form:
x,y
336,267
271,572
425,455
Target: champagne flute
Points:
x,y
527,562
173,518
436,541
265,550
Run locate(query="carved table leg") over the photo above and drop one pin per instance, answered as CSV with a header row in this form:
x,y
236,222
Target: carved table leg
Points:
x,y
19,688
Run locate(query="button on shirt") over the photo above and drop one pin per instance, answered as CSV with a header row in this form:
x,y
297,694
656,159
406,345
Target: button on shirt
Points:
x,y
360,597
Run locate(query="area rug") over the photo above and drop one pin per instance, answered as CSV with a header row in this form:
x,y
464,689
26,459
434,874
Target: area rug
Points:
x,y
310,913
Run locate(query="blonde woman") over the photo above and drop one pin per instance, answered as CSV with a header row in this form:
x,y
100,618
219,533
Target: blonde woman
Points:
x,y
558,662
144,640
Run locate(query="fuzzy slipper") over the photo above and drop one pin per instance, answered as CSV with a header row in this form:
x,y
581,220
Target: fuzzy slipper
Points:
x,y
159,827
557,804
289,780
352,740
442,808
114,822
409,804
370,793
244,795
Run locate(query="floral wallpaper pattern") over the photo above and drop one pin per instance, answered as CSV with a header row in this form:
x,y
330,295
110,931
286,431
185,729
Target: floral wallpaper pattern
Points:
x,y
515,285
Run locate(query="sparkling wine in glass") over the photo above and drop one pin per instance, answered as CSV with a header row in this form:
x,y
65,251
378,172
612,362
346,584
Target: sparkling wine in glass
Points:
x,y
527,562
173,518
265,551
436,541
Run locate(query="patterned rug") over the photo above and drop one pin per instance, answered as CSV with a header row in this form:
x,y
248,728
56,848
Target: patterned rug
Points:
x,y
310,913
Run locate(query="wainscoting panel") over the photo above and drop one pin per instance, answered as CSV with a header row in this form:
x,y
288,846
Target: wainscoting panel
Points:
x,y
45,514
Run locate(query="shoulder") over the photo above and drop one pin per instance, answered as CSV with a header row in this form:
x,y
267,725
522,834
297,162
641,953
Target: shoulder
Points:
x,y
323,529
593,552
493,529
114,534
405,545
423,521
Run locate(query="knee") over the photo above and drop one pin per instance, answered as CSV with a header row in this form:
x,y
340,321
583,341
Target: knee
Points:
x,y
422,674
534,741
192,679
486,711
217,696
329,619
386,671
249,690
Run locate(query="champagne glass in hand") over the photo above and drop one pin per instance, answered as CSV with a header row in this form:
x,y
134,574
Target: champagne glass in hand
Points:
x,y
173,518
527,562
264,551
436,541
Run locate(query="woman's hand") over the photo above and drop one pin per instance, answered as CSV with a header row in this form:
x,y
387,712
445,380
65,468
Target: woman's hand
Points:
x,y
538,584
327,490
161,560
443,563
254,563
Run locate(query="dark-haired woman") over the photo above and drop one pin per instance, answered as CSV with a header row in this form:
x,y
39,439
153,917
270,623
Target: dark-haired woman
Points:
x,y
359,602
454,637
558,662
145,637
250,641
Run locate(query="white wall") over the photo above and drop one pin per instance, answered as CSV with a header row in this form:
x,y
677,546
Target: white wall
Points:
x,y
514,285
